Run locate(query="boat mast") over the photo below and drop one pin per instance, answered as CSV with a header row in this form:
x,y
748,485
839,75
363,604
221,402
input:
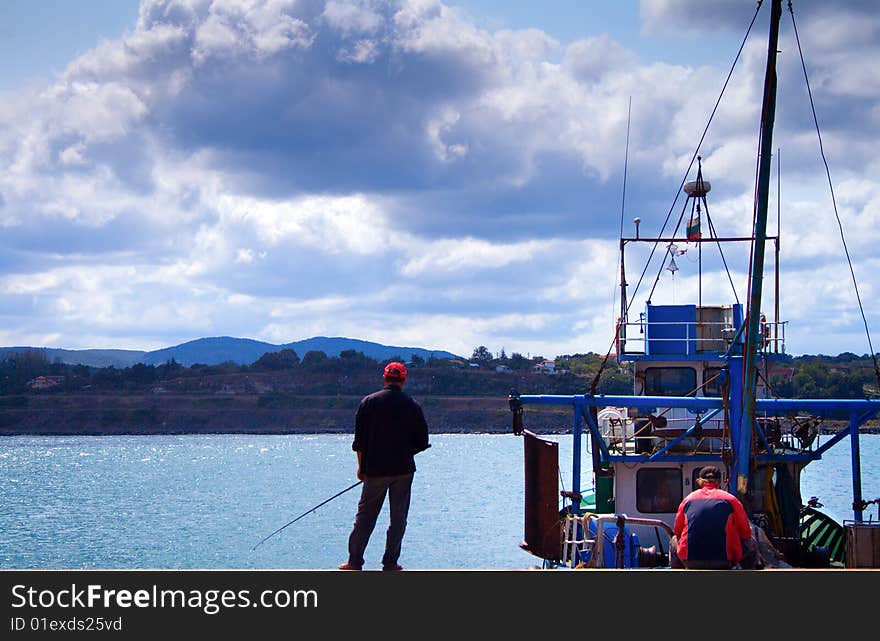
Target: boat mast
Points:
x,y
752,338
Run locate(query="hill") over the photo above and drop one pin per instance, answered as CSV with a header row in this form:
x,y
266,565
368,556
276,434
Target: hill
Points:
x,y
335,346
211,351
90,357
224,349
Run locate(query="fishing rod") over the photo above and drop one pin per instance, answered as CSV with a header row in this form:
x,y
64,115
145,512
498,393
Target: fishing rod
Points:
x,y
350,487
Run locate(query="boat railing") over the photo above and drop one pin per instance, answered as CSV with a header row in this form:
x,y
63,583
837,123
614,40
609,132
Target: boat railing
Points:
x,y
582,546
701,434
627,436
696,337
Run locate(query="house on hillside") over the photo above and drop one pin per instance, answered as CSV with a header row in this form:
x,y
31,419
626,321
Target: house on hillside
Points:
x,y
782,372
545,367
45,382
502,368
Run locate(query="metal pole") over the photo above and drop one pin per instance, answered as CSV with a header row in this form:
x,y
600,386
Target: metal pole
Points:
x,y
743,450
776,299
576,461
856,468
621,328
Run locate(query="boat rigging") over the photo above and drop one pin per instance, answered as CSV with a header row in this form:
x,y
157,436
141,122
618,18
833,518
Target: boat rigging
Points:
x,y
699,399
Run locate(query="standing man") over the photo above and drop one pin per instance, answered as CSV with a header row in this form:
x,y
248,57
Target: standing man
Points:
x,y
711,527
390,429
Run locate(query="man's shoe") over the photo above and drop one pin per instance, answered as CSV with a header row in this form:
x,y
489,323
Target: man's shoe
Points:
x,y
392,568
350,566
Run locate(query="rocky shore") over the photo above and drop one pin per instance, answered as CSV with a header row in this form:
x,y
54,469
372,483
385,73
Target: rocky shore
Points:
x,y
89,414
254,414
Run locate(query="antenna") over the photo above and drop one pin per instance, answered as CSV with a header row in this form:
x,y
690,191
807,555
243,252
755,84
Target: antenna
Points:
x,y
620,332
625,164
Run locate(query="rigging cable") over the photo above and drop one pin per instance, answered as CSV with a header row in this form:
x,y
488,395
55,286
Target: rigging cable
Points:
x,y
833,199
714,235
598,375
699,144
669,249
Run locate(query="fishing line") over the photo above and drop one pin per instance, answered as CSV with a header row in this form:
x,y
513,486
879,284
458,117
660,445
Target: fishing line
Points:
x,y
350,487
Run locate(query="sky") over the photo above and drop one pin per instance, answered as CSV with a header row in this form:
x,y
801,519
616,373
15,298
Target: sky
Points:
x,y
423,173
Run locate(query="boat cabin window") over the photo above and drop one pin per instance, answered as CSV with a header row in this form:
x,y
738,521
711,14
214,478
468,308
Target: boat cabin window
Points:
x,y
713,389
658,490
670,381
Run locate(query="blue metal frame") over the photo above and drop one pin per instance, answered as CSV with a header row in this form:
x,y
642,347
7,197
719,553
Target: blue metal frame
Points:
x,y
576,461
857,410
713,357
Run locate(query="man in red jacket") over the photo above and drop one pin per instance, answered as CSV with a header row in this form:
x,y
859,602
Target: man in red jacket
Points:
x,y
710,527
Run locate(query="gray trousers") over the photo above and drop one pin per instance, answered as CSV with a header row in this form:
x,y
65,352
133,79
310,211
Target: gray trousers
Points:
x,y
749,559
372,498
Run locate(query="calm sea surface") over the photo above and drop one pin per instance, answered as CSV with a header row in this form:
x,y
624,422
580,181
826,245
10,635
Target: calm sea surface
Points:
x,y
205,501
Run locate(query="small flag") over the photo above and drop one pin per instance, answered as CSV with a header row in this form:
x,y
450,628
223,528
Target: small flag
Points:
x,y
693,228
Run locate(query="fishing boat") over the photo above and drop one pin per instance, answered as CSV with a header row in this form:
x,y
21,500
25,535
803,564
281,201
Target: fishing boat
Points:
x,y
701,397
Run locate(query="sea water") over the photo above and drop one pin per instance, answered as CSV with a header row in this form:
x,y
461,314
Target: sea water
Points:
x,y
205,501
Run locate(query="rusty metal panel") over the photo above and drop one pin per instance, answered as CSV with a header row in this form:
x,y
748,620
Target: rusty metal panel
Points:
x,y
862,545
543,527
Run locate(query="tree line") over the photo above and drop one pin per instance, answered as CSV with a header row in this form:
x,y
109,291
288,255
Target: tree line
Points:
x,y
818,376
21,369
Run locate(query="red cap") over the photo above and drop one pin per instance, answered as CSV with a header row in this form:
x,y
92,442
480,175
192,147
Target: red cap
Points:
x,y
395,372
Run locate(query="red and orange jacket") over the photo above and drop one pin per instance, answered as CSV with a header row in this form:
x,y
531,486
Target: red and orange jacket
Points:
x,y
710,525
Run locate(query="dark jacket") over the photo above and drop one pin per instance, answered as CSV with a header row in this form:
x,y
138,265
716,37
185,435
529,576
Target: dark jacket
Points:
x,y
390,429
710,526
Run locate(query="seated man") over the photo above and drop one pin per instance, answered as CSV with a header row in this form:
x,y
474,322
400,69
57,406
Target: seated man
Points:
x,y
711,527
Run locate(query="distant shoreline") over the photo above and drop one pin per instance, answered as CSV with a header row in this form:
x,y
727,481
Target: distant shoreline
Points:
x,y
313,431
60,415
290,433
243,413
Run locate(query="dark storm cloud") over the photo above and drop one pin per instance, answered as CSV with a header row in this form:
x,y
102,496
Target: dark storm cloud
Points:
x,y
560,201
415,114
322,122
677,16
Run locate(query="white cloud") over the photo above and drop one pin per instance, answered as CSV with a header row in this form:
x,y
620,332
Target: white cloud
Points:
x,y
469,254
361,52
591,59
282,169
590,272
257,28
353,17
678,17
244,256
436,129
73,155
333,225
